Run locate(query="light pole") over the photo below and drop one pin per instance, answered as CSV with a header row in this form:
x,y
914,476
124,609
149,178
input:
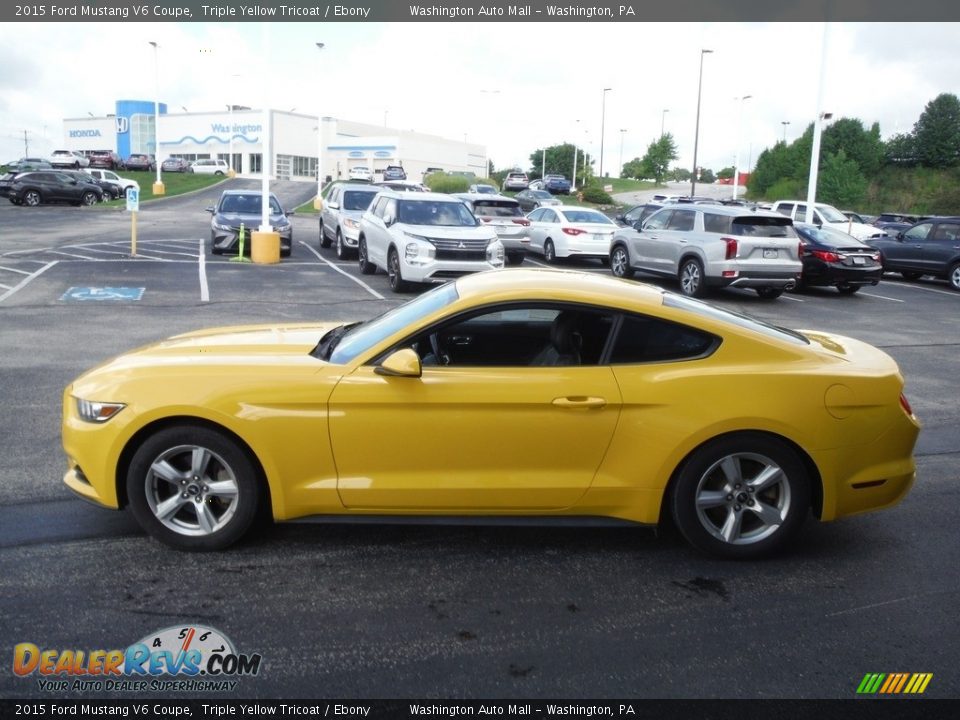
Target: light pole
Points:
x,y
318,201
820,116
696,132
158,188
663,120
232,172
622,131
603,121
736,155
784,123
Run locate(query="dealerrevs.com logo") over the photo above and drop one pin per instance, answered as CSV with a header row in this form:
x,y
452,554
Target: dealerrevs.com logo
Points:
x,y
188,659
899,683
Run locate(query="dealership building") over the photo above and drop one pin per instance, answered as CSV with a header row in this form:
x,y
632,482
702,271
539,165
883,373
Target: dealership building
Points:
x,y
237,136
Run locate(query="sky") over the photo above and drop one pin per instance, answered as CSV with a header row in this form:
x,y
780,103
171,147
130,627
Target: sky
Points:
x,y
512,87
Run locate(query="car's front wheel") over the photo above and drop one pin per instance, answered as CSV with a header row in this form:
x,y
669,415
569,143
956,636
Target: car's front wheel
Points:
x,y
366,267
741,496
89,198
397,283
343,252
193,488
324,238
620,263
515,258
691,278
954,276
31,198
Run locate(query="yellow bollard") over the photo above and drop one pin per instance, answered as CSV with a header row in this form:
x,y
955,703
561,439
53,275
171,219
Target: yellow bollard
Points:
x,y
265,247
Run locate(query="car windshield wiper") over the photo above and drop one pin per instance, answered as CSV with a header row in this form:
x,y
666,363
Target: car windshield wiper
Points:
x,y
330,339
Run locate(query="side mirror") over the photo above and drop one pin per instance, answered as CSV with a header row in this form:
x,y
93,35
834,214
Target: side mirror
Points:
x,y
900,236
402,363
290,213
211,209
333,205
638,225
388,220
619,218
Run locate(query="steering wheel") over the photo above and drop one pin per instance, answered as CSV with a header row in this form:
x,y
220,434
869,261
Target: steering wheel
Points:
x,y
440,353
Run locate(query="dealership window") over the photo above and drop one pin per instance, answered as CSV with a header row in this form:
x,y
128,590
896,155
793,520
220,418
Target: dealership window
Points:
x,y
256,162
304,166
142,135
236,160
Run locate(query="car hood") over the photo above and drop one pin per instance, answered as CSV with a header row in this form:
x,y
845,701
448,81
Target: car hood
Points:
x,y
858,230
248,219
448,232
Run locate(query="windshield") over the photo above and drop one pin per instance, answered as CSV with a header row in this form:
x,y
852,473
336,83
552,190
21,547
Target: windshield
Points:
x,y
587,216
831,214
364,337
540,194
435,212
247,205
358,199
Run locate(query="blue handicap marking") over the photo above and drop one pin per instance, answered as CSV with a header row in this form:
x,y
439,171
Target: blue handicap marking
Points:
x,y
122,294
133,200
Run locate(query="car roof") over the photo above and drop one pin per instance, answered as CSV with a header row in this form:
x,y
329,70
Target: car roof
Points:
x,y
245,192
420,196
358,186
484,196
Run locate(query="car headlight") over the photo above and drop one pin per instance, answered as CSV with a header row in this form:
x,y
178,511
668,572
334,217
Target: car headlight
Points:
x,y
351,223
224,228
97,412
495,253
418,250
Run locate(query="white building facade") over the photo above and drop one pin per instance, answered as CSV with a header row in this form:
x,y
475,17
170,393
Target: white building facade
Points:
x,y
240,133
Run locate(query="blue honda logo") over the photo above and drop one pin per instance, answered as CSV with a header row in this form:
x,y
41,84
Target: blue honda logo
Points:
x,y
122,124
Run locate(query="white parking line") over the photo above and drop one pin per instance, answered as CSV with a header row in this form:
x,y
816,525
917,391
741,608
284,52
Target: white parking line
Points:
x,y
791,297
926,289
14,270
27,279
202,263
882,297
73,255
5,287
358,281
536,262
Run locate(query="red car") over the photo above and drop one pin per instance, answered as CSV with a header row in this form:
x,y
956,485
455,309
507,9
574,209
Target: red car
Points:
x,y
139,161
106,159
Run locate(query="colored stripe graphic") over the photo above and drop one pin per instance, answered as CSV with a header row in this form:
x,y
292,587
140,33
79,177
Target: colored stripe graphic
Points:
x,y
894,683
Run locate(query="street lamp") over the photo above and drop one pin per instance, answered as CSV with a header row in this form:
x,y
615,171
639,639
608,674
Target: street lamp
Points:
x,y
736,156
663,119
784,123
318,202
603,120
817,129
696,132
158,188
622,131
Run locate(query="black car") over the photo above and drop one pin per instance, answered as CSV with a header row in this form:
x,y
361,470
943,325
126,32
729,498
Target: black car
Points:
x,y
25,164
108,190
530,200
46,186
638,213
831,257
930,247
243,207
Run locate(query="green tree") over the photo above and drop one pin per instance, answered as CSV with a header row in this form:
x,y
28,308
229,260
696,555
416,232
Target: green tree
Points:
x,y
840,181
632,169
660,153
937,132
559,161
901,149
707,176
726,173
859,145
679,174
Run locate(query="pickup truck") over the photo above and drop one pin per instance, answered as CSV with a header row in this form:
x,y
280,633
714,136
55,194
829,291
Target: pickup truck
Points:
x,y
556,184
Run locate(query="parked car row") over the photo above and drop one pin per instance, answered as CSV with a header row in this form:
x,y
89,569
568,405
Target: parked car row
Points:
x,y
35,187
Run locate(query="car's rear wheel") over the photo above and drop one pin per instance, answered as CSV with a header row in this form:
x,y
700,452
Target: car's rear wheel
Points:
x,y
848,289
911,274
742,496
691,278
954,276
193,488
31,198
769,293
397,283
515,258
89,198
549,252
620,262
219,173
366,267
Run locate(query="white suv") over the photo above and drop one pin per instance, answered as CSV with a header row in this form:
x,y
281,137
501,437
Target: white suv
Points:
x,y
69,158
110,176
424,237
707,246
340,218
516,181
209,167
826,215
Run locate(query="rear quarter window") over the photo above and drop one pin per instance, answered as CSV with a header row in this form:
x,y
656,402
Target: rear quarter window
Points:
x,y
643,339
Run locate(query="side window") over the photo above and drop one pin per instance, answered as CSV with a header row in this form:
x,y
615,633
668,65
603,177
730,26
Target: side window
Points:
x,y
529,335
714,223
381,204
390,209
918,232
947,232
785,209
682,220
535,215
801,214
658,221
549,216
643,339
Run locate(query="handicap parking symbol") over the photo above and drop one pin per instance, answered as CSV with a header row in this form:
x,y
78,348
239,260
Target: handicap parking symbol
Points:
x,y
99,294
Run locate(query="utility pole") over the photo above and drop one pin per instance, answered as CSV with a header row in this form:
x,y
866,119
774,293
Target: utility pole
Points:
x,y
26,146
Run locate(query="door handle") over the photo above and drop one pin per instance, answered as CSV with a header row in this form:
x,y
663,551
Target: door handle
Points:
x,y
580,402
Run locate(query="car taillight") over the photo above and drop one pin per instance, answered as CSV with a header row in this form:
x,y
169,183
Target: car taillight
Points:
x,y
574,231
522,221
904,403
826,255
732,247
485,219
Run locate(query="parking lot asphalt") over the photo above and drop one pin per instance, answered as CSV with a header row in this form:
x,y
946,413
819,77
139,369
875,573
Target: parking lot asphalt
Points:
x,y
367,611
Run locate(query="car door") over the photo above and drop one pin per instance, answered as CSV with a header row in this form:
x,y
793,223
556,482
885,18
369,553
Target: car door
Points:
x,y
489,433
546,225
674,239
644,244
907,252
384,216
328,214
536,231
941,248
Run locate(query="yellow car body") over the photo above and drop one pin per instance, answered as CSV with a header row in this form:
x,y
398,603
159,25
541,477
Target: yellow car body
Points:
x,y
604,440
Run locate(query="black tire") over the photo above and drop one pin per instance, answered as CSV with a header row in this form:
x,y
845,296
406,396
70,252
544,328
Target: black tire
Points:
x,y
397,283
515,258
193,460
751,513
692,282
89,198
953,276
620,262
219,173
769,293
31,198
549,252
324,239
848,289
366,267
911,274
343,251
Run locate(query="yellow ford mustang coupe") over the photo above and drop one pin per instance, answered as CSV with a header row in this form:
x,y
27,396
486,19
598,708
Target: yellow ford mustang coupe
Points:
x,y
516,395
